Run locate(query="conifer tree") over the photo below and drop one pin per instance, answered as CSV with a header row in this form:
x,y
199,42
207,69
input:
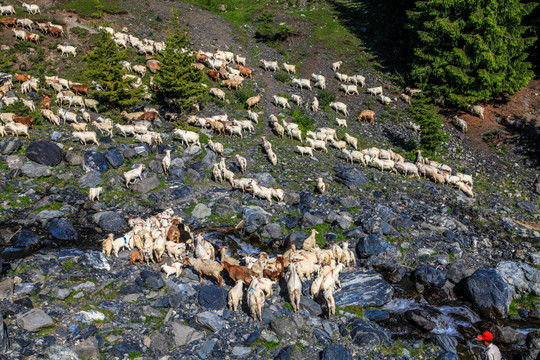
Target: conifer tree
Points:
x,y
470,50
177,79
430,121
103,64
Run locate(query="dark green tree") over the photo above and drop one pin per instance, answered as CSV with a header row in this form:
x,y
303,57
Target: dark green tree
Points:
x,y
470,50
426,115
177,79
103,64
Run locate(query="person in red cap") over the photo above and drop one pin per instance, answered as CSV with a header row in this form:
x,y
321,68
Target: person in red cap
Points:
x,y
492,351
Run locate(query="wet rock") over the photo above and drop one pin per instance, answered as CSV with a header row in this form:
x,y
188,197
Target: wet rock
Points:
x,y
190,153
14,162
458,270
486,289
416,318
364,288
114,157
25,239
209,320
449,355
533,346
10,145
355,232
240,351
213,297
265,179
95,260
366,333
94,160
255,218
336,352
297,238
254,336
146,185
285,353
206,348
184,335
58,352
34,320
33,170
201,211
310,220
152,279
44,152
522,278
429,276
535,258
350,176
507,335
273,231
62,229
110,221
6,289
371,245
182,191
90,179
447,343
87,348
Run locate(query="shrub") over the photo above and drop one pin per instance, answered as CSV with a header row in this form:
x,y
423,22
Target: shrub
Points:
x,y
300,117
267,31
283,76
326,97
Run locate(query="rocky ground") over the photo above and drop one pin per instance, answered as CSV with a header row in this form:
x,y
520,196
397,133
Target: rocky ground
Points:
x,y
434,266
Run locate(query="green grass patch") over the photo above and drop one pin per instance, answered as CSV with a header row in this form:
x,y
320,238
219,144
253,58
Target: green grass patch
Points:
x,y
91,8
134,354
80,32
270,345
322,230
525,302
68,265
299,116
357,310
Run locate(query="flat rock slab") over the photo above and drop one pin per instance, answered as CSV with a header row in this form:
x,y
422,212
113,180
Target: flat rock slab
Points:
x,y
183,334
34,320
146,185
44,152
363,288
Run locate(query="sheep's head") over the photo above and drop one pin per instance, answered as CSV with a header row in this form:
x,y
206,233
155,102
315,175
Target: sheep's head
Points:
x,y
187,261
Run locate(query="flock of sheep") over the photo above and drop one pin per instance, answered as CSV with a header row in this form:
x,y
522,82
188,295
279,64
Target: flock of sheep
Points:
x,y
166,234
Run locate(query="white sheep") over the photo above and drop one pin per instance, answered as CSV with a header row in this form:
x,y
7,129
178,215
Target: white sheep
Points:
x,y
301,83
234,130
175,250
216,147
188,137
375,91
351,140
342,77
465,188
317,144
245,125
218,93
139,69
166,161
173,269
339,107
317,135
240,60
253,116
281,101
406,168
336,65
321,186
270,65
31,8
304,150
291,69
272,157
278,194
297,99
242,183
85,136
341,122
349,89
255,300
382,164
315,104
121,243
467,179
29,104
235,295
406,98
17,129
261,191
126,129
354,155
242,163
294,287
7,10
216,172
356,79
476,110
460,124
384,99
67,49
133,174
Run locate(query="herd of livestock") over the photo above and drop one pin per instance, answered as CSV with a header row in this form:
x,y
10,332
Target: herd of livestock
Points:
x,y
232,70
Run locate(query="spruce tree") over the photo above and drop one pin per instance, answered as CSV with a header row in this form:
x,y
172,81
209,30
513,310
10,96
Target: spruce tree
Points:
x,y
470,50
177,79
426,115
103,64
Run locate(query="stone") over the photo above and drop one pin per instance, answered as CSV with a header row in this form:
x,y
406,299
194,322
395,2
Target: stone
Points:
x,y
6,289
458,270
142,149
376,315
213,297
371,245
350,176
446,342
14,162
183,334
336,352
297,238
114,157
193,176
89,316
206,348
449,355
486,289
535,258
94,160
201,211
309,221
34,320
177,172
255,218
129,153
33,170
366,333
58,352
62,229
73,158
309,305
209,320
60,293
533,345
285,328
522,278
87,348
507,335
111,221
285,353
265,179
57,136
416,318
10,145
152,279
273,231
209,159
355,232
527,206
146,185
156,167
364,288
240,350
160,344
25,239
44,152
95,260
191,152
429,276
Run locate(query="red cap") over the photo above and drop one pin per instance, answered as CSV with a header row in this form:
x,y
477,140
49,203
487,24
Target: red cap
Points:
x,y
486,336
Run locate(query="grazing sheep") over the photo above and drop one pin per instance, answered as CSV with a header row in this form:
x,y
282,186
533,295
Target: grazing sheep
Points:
x,y
460,124
261,192
67,49
317,144
291,69
253,101
384,99
355,79
85,136
272,157
206,267
341,122
255,300
336,65
301,83
467,179
94,192
375,91
270,65
321,186
173,269
216,147
297,99
253,116
315,104
280,130
218,93
339,107
304,150
294,287
266,144
367,115
242,163
476,110
235,296
166,161
245,125
131,175
406,98
351,140
382,164
406,168
107,245
281,101
342,77
349,89
465,188
234,130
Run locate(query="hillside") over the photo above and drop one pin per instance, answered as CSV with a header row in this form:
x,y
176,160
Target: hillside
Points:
x,y
408,233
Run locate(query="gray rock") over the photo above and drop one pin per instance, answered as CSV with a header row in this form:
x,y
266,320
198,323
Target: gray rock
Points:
x,y
25,239
209,159
56,136
95,260
336,352
44,152
522,278
309,221
193,176
343,220
458,270
114,157
449,355
156,167
371,245
178,162
110,221
241,350
447,343
94,160
535,258
292,198
142,149
129,153
429,276
33,170
60,293
46,215
527,206
297,238
191,152
206,348
34,320
285,328
265,179
507,335
14,162
177,172
210,320
533,346
356,233
10,145
6,289
62,229
146,185
73,158
57,352
212,297
201,211
486,289
309,305
160,344
417,318
223,209
152,279
273,231
183,334
87,348
350,176
364,288
366,333
255,218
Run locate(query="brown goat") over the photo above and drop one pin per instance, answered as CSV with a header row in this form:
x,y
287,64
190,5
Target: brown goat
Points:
x,y
367,115
22,77
173,234
46,102
136,257
238,272
9,21
149,116
55,32
244,71
80,89
26,120
213,74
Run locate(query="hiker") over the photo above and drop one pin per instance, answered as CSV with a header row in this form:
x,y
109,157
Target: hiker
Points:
x,y
492,351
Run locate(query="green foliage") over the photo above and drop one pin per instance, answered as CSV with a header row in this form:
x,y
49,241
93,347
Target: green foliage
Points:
x,y
287,305
91,8
267,31
300,117
68,265
19,109
103,65
283,76
325,98
470,51
426,115
525,302
177,79
243,94
134,354
354,309
79,31
6,62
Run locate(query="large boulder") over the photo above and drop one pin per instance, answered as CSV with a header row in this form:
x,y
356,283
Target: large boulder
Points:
x,y
183,334
25,239
62,229
488,291
34,320
336,352
522,278
213,297
371,245
366,333
429,276
33,170
350,176
114,157
90,179
255,218
146,185
10,145
110,221
44,152
94,160
363,288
